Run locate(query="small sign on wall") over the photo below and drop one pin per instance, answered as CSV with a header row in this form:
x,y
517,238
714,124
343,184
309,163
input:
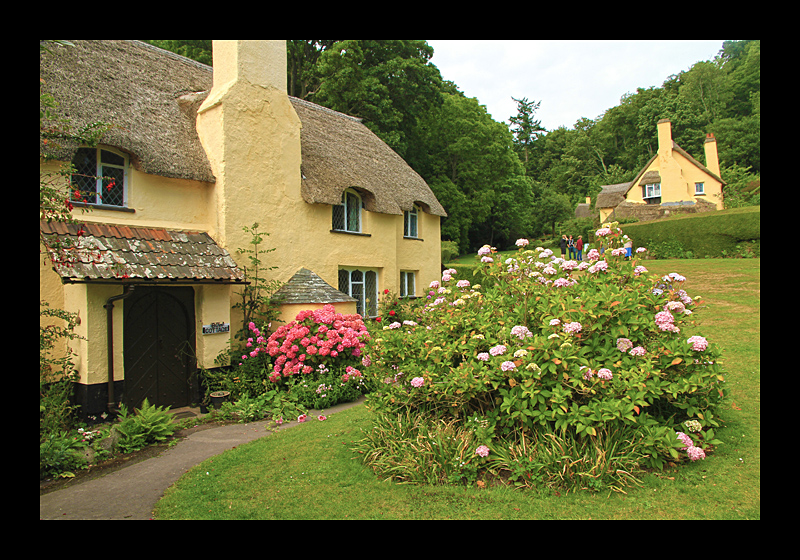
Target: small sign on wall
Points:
x,y
215,328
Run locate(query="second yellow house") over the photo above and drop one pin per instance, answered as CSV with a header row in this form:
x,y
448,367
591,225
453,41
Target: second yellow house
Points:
x,y
671,180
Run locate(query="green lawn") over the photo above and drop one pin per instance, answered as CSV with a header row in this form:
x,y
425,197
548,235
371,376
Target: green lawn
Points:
x,y
310,472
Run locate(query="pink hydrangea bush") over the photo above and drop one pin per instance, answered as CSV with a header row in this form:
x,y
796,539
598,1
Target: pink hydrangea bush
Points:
x,y
315,337
550,346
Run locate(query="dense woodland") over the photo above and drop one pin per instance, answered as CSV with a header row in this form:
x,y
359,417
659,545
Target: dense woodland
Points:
x,y
500,182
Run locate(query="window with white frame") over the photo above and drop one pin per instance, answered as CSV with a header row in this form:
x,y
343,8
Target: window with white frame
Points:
x,y
347,215
100,176
407,283
410,221
652,193
699,188
361,284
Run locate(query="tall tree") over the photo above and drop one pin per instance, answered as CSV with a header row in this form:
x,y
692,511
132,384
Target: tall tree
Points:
x,y
524,126
301,65
387,83
196,50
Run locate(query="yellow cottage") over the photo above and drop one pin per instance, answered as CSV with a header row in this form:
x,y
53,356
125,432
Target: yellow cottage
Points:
x,y
195,156
671,181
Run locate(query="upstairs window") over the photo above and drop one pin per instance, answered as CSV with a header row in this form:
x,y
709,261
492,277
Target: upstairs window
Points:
x,y
347,215
99,177
410,220
652,193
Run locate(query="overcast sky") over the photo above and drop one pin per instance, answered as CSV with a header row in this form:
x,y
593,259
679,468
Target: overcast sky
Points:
x,y
572,79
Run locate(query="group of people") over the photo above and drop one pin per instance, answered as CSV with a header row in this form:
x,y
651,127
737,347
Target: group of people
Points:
x,y
575,247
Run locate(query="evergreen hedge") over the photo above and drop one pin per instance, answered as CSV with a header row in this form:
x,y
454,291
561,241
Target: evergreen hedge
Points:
x,y
711,234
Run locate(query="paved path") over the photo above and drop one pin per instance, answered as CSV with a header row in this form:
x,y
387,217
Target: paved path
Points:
x,y
133,491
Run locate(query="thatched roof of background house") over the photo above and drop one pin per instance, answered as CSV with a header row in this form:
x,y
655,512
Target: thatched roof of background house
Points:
x,y
151,97
612,195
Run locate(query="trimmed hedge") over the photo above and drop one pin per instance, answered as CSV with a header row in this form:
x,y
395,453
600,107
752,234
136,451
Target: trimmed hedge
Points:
x,y
711,234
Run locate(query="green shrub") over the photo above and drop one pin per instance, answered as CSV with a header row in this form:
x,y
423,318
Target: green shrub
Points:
x,y
275,404
710,234
553,347
60,454
449,251
327,387
148,425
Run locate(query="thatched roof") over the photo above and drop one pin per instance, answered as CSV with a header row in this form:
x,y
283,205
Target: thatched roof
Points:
x,y
611,195
339,152
151,96
136,88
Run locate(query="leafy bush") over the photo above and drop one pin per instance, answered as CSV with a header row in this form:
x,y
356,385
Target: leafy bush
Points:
x,y
60,453
449,251
274,403
148,425
709,234
327,387
56,370
593,354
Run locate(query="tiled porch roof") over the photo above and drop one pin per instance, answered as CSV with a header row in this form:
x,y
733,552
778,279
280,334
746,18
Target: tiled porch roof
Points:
x,y
123,253
307,287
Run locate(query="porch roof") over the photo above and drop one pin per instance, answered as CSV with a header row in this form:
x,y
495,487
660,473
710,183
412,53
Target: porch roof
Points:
x,y
97,252
307,287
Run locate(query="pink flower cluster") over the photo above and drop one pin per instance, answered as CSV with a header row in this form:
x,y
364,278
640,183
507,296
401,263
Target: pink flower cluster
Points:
x,y
521,331
602,373
666,322
698,343
605,373
314,335
482,450
418,382
692,451
572,328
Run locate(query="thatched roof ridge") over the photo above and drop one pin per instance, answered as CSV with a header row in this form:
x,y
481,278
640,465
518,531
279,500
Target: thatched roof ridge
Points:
x,y
151,96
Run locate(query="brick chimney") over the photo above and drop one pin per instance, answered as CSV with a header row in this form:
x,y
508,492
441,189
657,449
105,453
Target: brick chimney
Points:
x,y
712,159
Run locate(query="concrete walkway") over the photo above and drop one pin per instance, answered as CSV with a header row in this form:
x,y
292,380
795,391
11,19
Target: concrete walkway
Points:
x,y
133,491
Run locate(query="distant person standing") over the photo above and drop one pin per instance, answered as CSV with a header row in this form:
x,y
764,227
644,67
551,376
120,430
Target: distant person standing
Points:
x,y
571,247
563,246
579,247
628,247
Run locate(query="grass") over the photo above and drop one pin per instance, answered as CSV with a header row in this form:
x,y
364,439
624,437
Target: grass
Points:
x,y
310,472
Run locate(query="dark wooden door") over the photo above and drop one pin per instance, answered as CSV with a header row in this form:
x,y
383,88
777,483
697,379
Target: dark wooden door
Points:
x,y
159,341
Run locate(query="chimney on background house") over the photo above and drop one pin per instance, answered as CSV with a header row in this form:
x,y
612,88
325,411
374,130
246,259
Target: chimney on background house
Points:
x,y
712,158
664,127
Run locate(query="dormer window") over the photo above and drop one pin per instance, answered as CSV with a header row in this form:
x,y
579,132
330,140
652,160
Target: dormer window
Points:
x,y
410,221
347,215
100,177
652,193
